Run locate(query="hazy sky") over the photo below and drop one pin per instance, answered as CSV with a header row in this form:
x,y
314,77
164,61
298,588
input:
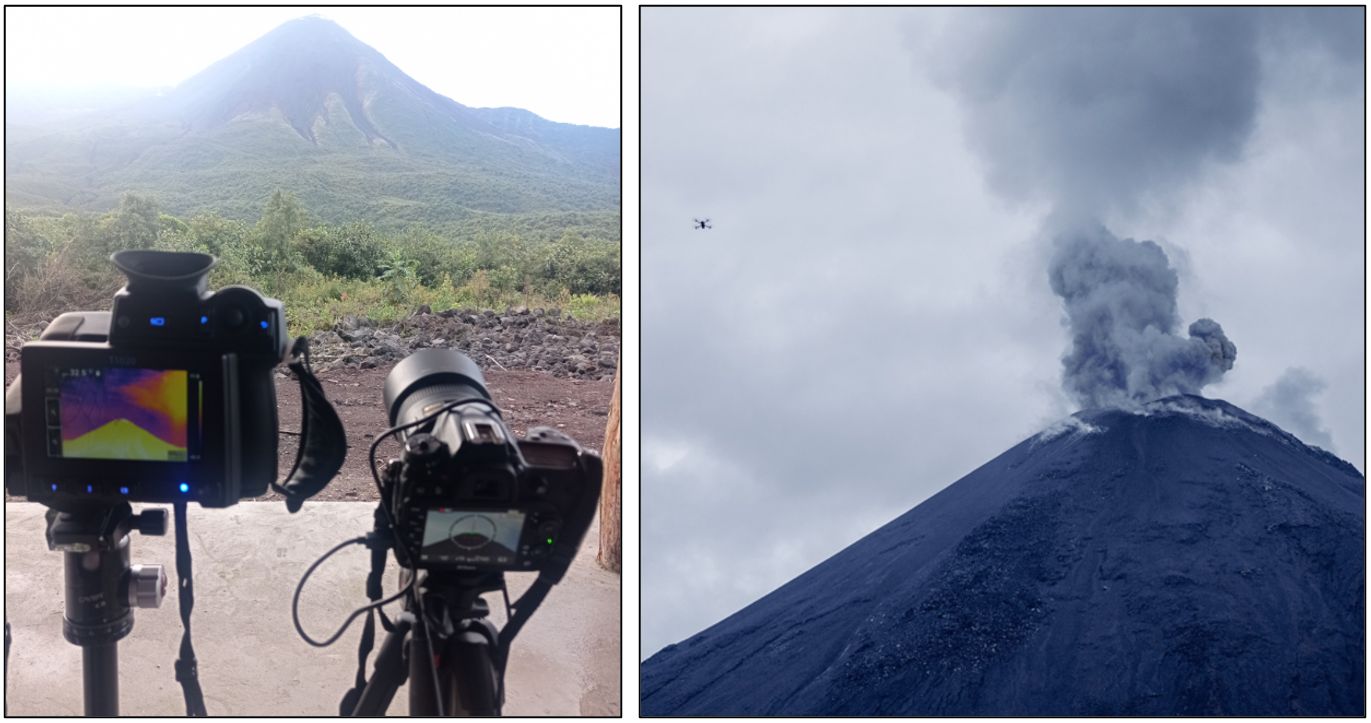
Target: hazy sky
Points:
x,y
561,63
870,318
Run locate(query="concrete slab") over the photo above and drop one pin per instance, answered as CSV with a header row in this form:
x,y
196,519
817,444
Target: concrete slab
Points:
x,y
248,559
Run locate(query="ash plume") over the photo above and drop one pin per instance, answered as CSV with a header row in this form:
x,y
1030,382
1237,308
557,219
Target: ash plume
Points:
x,y
1120,300
1101,110
1289,402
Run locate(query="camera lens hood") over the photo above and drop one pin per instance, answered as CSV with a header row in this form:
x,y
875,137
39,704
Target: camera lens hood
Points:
x,y
451,374
165,271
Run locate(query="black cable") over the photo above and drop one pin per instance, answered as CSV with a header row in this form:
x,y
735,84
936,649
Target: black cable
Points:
x,y
379,542
295,601
432,664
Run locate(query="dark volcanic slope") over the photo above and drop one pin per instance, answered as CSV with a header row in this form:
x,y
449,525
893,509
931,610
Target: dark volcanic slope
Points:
x,y
1194,560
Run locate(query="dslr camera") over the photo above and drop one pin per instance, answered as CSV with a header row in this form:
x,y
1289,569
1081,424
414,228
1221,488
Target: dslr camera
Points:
x,y
465,494
168,397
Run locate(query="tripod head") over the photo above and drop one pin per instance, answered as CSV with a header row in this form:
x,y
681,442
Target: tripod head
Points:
x,y
460,591
102,587
82,528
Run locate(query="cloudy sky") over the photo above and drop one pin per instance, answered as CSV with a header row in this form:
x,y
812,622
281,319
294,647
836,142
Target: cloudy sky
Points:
x,y
561,63
871,316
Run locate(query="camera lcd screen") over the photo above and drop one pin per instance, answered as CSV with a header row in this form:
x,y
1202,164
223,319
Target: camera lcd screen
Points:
x,y
127,414
475,537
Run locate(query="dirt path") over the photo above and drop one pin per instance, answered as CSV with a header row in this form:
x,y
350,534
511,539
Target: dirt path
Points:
x,y
528,399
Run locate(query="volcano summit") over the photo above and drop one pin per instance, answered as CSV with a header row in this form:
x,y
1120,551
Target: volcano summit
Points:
x,y
1184,558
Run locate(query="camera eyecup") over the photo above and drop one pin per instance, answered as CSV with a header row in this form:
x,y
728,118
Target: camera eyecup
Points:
x,y
165,271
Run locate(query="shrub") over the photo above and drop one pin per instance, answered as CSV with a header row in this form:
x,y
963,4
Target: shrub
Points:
x,y
354,251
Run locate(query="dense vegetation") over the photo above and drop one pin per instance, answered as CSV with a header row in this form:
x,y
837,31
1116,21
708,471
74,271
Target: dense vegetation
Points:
x,y
56,263
230,170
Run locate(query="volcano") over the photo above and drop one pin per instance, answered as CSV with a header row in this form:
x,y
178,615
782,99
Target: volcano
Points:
x,y
333,89
1184,558
311,109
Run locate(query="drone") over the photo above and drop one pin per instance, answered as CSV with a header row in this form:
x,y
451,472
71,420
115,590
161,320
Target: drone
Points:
x,y
702,224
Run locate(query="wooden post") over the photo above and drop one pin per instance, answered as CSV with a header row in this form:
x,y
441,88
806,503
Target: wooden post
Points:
x,y
611,513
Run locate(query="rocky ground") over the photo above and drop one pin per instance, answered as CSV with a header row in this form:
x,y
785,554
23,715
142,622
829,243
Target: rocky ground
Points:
x,y
519,339
542,368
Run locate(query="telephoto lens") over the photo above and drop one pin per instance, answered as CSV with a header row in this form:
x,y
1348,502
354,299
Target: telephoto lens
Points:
x,y
428,380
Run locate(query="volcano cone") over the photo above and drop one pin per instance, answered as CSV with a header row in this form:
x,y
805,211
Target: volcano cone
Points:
x,y
1188,558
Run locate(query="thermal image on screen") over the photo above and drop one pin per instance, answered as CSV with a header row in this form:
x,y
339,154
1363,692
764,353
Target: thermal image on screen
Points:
x,y
125,414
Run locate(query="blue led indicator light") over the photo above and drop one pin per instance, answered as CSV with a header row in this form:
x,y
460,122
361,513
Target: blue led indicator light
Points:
x,y
158,321
89,489
54,486
123,490
264,325
204,320
185,487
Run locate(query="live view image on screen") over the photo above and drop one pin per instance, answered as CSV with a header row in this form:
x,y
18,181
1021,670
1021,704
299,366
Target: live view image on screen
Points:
x,y
484,536
124,414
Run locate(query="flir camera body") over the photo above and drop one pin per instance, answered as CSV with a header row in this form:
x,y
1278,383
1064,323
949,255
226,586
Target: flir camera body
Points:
x,y
168,397
468,496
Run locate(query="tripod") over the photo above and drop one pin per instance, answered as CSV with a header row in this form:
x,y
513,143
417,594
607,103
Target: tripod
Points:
x,y
102,588
445,646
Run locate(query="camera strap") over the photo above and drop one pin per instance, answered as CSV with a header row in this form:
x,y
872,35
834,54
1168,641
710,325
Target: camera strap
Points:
x,y
187,673
323,443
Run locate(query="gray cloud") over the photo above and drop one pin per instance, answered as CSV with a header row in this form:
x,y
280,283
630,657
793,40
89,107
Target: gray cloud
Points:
x,y
1289,402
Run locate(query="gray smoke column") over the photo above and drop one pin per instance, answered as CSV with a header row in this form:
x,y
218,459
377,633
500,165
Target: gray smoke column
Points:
x,y
1101,110
1120,299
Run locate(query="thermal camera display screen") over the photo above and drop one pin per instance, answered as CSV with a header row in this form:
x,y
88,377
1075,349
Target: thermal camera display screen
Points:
x,y
483,537
124,414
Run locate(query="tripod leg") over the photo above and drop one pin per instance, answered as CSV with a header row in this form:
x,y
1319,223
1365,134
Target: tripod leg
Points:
x,y
386,677
422,698
100,672
97,617
470,676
